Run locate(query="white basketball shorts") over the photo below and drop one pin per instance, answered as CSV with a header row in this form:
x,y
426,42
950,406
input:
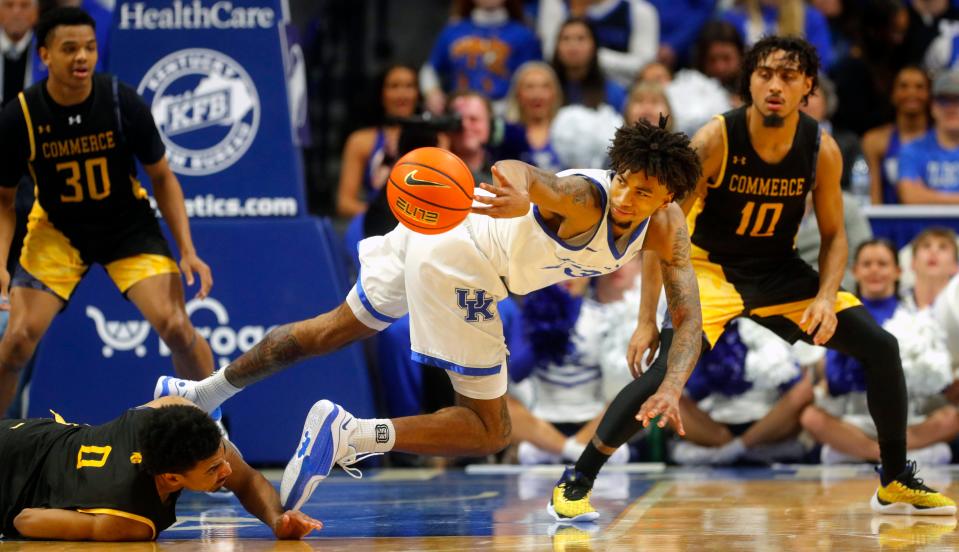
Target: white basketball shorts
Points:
x,y
450,290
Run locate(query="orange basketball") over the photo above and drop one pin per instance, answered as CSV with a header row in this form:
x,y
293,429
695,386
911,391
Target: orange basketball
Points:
x,y
430,190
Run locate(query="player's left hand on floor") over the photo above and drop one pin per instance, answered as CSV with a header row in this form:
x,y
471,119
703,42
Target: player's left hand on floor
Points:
x,y
666,405
190,264
819,321
293,525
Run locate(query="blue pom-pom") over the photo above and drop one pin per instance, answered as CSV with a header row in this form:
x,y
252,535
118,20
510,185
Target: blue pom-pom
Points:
x,y
549,316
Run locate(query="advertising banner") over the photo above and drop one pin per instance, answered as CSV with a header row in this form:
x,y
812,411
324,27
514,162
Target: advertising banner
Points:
x,y
216,75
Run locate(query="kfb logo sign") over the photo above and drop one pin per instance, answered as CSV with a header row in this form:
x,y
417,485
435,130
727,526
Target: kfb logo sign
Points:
x,y
131,335
206,108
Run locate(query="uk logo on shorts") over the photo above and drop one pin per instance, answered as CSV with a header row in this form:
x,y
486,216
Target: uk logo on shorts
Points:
x,y
206,108
475,307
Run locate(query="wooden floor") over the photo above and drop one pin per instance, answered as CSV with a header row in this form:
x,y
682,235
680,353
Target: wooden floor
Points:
x,y
644,507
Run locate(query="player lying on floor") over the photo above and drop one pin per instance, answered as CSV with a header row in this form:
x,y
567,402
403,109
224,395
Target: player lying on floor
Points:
x,y
120,481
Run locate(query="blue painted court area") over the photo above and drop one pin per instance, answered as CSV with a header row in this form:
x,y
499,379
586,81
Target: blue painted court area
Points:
x,y
415,503
502,508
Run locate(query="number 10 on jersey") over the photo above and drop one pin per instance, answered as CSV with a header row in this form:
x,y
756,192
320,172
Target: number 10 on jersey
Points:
x,y
770,211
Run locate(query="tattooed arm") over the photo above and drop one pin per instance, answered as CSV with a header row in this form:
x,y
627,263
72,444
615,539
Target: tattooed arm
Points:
x,y
296,341
574,199
669,239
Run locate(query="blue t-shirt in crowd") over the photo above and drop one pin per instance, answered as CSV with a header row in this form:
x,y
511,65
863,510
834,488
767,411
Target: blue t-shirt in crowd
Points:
x,y
468,56
926,160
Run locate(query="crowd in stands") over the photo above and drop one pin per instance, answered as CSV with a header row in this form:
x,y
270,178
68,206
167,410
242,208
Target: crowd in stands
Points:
x,y
548,82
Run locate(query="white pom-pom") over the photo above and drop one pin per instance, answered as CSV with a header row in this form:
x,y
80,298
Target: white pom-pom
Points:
x,y
926,362
695,99
581,136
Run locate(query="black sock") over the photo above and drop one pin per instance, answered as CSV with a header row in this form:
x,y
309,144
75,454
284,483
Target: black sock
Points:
x,y
892,454
591,461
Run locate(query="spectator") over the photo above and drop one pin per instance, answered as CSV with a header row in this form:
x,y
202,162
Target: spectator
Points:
x,y
757,18
627,31
881,145
679,24
840,419
931,33
842,16
719,55
17,18
533,101
865,76
369,152
471,142
576,62
648,101
929,166
743,400
655,71
934,261
479,51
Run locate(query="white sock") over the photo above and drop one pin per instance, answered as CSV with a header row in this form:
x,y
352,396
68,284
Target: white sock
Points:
x,y
731,451
373,435
572,449
214,391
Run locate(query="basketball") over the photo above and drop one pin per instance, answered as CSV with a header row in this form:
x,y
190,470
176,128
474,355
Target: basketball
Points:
x,y
430,190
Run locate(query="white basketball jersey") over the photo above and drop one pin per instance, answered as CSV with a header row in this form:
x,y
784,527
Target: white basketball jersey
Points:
x,y
530,256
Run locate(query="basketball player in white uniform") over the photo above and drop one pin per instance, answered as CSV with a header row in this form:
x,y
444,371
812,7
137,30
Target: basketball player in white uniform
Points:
x,y
536,229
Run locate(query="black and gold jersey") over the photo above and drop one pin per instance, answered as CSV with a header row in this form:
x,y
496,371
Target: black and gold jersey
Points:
x,y
93,469
754,208
81,159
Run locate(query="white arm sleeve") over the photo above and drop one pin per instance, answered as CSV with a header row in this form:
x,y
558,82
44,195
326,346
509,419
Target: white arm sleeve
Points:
x,y
552,14
643,45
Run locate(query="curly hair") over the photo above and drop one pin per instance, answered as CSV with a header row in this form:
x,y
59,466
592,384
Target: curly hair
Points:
x,y
797,50
652,149
173,439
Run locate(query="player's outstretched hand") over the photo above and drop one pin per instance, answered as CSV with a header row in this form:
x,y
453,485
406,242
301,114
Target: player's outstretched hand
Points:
x,y
4,289
819,320
645,339
509,201
190,264
294,525
665,403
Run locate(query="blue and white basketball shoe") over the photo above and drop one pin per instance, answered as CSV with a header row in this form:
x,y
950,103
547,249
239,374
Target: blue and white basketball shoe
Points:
x,y
325,441
168,386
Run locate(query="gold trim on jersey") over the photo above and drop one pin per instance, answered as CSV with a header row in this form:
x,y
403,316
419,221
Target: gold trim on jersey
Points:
x,y
29,122
794,311
138,191
718,297
722,168
121,513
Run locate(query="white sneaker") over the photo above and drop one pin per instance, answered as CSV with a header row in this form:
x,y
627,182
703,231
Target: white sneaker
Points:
x,y
325,441
690,454
529,454
620,456
830,457
168,386
938,454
